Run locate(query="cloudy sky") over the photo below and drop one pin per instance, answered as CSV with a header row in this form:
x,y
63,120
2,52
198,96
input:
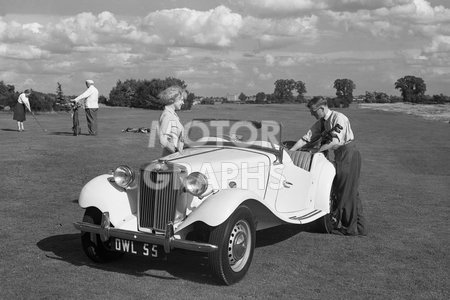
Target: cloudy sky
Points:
x,y
220,47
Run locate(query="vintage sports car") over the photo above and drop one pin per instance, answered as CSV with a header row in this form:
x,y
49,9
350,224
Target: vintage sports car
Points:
x,y
231,179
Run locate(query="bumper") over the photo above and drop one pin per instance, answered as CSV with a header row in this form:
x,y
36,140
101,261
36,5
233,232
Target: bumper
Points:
x,y
168,240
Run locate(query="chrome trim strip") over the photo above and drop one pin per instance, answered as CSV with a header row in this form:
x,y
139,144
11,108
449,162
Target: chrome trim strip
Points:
x,y
168,240
308,215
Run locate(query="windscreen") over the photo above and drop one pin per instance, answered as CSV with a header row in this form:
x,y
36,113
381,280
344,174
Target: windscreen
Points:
x,y
263,134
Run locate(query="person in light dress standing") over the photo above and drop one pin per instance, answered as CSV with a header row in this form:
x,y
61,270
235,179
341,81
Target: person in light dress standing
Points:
x,y
171,131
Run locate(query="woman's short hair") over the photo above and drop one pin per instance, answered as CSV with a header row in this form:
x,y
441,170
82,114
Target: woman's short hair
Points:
x,y
170,94
27,91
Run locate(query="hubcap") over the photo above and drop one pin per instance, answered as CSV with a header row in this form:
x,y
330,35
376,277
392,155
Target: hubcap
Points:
x,y
239,245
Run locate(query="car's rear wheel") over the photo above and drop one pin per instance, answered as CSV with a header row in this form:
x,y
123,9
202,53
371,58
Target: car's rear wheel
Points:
x,y
235,239
93,246
327,223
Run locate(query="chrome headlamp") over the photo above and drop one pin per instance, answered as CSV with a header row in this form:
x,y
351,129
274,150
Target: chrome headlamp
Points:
x,y
123,176
196,183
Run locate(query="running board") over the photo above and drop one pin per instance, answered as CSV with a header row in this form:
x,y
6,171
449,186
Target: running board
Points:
x,y
307,217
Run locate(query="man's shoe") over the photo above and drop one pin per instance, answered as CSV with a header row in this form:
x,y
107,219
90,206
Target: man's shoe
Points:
x,y
338,231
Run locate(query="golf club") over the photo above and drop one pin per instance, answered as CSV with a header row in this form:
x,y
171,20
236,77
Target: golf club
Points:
x,y
45,130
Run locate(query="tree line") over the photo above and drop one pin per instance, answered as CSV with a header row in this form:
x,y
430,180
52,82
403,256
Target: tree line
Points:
x,y
291,91
143,94
128,93
412,90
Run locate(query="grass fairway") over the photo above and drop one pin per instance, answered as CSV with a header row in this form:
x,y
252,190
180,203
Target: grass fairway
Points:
x,y
405,188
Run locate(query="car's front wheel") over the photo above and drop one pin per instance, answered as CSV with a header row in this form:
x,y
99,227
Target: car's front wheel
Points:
x,y
235,239
93,246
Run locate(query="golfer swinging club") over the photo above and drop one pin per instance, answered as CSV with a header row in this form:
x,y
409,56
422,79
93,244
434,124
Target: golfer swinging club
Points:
x,y
91,105
22,105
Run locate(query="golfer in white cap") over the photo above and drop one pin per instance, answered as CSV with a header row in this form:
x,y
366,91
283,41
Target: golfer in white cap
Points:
x,y
91,105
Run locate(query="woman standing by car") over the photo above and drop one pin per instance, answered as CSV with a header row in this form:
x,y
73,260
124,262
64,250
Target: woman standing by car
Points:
x,y
20,109
171,131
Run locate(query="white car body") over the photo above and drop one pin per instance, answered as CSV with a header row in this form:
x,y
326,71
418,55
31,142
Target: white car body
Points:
x,y
259,175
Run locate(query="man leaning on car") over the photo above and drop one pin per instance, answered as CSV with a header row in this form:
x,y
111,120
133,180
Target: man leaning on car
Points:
x,y
349,211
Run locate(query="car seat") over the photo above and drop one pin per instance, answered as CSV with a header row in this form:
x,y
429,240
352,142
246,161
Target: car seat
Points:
x,y
301,159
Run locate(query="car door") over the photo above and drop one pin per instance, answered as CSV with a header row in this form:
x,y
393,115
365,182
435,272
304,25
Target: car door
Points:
x,y
294,190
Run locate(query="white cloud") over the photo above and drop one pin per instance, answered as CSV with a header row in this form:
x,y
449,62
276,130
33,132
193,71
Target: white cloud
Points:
x,y
337,57
74,33
439,43
226,64
201,85
265,39
13,31
25,52
33,27
284,27
266,76
184,27
261,75
416,21
17,80
177,51
439,71
289,8
283,7
402,13
281,32
88,29
29,82
411,9
286,62
182,73
270,60
355,5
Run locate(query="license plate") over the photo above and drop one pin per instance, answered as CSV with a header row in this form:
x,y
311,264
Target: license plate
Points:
x,y
138,248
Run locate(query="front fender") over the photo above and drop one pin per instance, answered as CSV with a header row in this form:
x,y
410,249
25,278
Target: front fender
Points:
x,y
218,207
107,196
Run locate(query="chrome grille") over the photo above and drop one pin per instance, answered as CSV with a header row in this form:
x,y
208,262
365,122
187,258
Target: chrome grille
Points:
x,y
157,199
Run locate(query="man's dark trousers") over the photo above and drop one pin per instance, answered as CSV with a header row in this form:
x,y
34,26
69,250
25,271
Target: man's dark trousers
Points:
x,y
346,185
91,117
